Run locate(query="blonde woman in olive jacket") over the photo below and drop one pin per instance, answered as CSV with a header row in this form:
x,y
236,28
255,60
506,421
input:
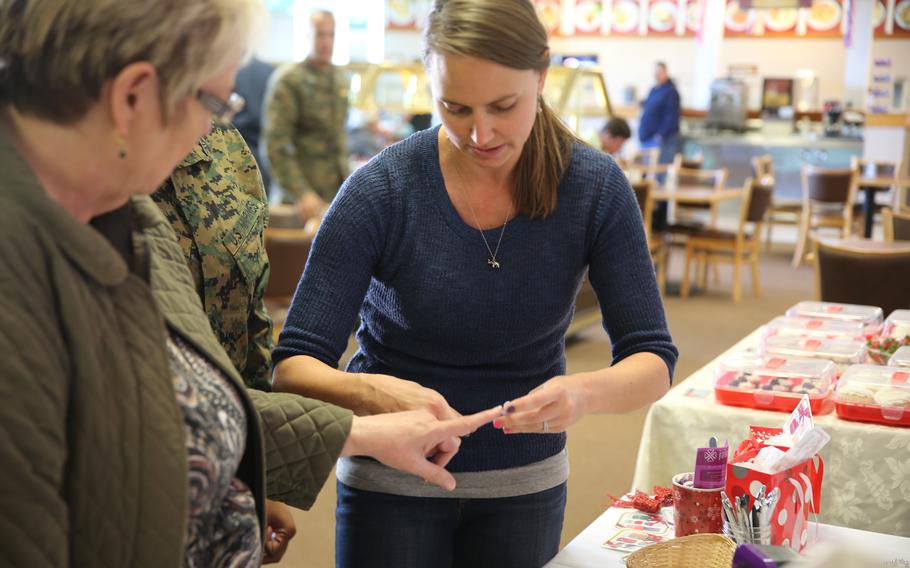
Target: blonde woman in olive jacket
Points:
x,y
127,438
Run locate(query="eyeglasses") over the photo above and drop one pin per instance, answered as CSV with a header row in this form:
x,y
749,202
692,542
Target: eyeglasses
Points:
x,y
224,111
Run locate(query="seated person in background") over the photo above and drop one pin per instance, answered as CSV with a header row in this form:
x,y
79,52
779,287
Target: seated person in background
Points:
x,y
614,135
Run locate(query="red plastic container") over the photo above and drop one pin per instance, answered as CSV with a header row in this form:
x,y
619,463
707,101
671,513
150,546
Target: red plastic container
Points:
x,y
775,383
871,393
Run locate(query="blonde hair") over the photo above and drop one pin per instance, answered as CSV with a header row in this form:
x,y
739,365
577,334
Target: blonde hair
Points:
x,y
56,55
508,32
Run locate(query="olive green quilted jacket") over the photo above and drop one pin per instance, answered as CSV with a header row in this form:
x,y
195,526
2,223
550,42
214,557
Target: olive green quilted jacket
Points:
x,y
92,448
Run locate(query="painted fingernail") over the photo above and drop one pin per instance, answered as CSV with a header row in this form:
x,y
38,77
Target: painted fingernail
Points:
x,y
497,423
507,430
510,409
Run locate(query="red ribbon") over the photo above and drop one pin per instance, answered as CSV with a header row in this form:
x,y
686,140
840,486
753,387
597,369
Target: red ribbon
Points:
x,y
663,497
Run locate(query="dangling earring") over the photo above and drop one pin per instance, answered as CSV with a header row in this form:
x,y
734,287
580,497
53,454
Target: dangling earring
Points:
x,y
539,104
122,152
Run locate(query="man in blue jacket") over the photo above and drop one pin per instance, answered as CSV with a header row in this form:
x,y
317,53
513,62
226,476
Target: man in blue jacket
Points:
x,y
659,124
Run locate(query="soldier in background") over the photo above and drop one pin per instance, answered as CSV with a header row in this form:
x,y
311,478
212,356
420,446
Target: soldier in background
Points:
x,y
217,205
304,124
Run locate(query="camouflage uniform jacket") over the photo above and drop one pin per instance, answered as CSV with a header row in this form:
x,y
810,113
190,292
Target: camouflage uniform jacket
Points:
x,y
304,121
216,204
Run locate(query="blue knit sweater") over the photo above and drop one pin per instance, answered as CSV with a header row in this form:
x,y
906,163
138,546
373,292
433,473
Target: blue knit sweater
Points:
x,y
393,248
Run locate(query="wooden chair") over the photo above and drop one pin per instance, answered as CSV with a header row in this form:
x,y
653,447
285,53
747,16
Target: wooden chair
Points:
x,y
657,242
763,169
287,250
828,198
283,216
734,247
691,178
860,276
689,162
643,164
896,225
902,199
781,211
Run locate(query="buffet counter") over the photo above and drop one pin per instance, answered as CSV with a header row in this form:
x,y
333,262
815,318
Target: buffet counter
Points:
x,y
789,151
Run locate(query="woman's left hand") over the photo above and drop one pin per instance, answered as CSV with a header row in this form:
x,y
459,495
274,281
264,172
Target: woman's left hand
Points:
x,y
550,408
279,532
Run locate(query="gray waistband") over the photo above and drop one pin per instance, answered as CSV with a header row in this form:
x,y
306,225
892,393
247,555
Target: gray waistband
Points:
x,y
369,475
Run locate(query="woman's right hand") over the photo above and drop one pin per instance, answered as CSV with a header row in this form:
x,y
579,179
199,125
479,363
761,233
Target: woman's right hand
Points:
x,y
414,441
391,394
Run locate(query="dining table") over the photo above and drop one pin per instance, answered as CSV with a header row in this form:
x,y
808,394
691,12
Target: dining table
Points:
x,y
867,246
870,186
696,195
871,549
867,466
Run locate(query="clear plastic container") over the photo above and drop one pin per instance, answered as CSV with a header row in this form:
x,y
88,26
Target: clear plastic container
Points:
x,y
774,383
813,327
870,316
901,358
872,393
842,352
898,324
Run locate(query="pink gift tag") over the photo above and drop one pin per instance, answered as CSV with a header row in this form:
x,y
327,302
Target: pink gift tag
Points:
x,y
711,467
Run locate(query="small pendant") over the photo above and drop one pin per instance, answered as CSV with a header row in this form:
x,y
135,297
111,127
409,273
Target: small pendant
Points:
x,y
493,263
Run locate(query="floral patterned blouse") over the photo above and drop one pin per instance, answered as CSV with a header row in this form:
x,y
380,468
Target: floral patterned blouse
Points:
x,y
223,529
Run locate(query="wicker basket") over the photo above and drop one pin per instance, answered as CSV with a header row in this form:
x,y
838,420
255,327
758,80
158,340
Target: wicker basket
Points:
x,y
697,550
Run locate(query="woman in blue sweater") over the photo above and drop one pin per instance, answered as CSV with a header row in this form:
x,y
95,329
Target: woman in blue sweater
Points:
x,y
462,249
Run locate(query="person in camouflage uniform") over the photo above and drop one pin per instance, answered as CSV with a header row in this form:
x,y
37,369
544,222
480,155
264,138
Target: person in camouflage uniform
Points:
x,y
306,111
216,203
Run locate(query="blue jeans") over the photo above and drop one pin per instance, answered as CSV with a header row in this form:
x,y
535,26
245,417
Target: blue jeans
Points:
x,y
383,530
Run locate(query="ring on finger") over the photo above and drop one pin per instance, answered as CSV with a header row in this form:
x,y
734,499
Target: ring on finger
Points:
x,y
545,426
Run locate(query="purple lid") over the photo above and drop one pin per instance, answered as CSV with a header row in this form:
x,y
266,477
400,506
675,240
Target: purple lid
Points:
x,y
750,556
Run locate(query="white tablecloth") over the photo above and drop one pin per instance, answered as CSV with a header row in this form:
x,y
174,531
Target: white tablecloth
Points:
x,y
585,550
866,482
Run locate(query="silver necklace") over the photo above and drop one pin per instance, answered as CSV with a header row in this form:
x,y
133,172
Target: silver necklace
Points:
x,y
492,262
